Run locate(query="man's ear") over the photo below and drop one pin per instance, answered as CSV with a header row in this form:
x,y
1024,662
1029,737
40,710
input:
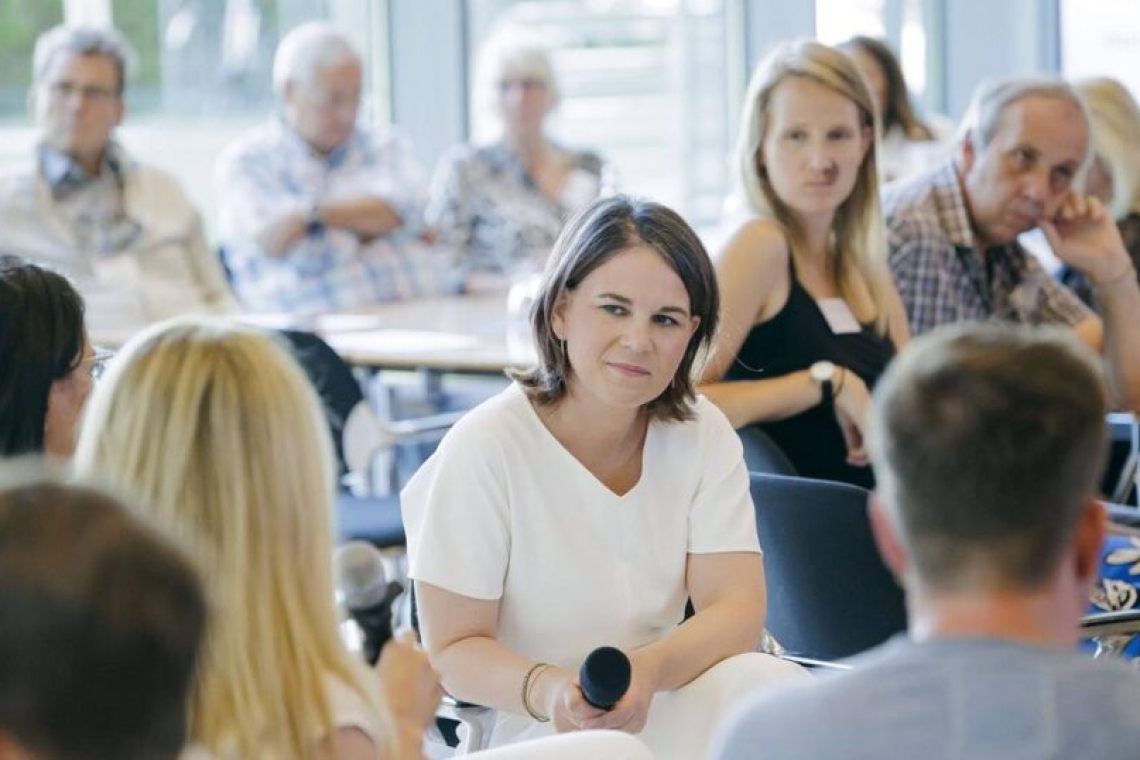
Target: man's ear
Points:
x,y
890,545
1088,540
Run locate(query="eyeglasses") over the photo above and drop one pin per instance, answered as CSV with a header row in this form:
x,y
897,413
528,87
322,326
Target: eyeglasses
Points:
x,y
64,90
98,362
527,84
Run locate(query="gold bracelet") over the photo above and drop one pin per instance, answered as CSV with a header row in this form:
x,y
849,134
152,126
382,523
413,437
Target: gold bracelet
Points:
x,y
528,682
1129,271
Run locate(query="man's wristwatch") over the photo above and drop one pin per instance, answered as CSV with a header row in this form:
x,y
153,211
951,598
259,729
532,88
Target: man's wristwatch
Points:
x,y
823,373
314,221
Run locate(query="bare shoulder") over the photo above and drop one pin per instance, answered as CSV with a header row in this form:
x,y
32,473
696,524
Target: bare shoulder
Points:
x,y
757,244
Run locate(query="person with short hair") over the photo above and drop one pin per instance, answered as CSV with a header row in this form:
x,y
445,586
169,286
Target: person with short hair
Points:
x,y
100,626
124,231
954,251
810,315
498,206
317,213
988,441
585,504
49,364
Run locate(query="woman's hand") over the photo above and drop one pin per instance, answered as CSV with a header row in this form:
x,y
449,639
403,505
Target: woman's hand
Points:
x,y
852,399
566,706
632,710
410,686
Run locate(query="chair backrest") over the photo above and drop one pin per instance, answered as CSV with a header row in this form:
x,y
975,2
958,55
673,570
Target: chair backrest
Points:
x,y
333,381
762,454
829,594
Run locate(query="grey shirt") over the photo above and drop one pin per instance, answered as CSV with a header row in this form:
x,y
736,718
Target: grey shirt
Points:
x,y
950,698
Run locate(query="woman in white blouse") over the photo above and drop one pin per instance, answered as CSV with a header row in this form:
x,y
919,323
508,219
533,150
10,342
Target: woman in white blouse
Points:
x,y
499,206
585,504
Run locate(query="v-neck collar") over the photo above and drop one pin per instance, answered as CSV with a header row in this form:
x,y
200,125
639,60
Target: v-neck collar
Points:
x,y
573,461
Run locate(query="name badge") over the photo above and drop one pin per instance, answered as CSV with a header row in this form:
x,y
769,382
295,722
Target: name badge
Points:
x,y
839,317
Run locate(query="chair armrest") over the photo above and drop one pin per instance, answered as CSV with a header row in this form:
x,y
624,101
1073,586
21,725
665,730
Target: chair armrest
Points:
x,y
1115,623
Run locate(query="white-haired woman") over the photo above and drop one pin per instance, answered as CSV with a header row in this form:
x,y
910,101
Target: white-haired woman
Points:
x,y
810,316
499,206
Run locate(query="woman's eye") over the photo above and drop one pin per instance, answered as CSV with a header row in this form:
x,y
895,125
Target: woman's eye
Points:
x,y
613,308
666,320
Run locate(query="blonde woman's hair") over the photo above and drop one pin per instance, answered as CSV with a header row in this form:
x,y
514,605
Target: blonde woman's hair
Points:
x,y
1115,121
858,233
215,430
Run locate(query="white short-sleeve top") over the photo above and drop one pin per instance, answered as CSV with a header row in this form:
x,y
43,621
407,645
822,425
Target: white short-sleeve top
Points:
x,y
503,511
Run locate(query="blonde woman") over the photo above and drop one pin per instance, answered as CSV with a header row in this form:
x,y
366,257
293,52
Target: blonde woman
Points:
x,y
216,430
810,316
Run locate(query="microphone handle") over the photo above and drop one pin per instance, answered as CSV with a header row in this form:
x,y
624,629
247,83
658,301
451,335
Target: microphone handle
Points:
x,y
375,623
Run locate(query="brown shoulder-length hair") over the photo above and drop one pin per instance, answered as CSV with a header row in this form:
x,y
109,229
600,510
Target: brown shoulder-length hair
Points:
x,y
897,111
590,239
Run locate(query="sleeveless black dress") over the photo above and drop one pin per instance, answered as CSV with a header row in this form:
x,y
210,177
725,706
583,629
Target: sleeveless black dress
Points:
x,y
792,340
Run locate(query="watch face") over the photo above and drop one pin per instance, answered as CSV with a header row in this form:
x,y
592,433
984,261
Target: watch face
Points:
x,y
822,371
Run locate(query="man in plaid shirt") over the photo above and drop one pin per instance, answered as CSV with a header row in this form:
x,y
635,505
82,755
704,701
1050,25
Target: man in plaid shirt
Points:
x,y
318,214
953,232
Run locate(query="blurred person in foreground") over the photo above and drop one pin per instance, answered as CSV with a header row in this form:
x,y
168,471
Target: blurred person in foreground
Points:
x,y
987,514
100,627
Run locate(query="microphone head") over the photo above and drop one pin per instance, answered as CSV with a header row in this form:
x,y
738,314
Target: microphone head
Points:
x,y
360,575
604,677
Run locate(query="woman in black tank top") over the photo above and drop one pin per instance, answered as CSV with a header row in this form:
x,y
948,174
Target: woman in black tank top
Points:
x,y
810,317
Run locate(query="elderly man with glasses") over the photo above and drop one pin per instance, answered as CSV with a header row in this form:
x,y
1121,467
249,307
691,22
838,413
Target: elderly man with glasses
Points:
x,y
123,231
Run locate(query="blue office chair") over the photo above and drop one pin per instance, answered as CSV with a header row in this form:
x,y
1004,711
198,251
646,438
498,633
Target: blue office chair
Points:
x,y
829,594
762,454
365,445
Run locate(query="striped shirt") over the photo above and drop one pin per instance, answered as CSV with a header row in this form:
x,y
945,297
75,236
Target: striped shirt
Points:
x,y
942,279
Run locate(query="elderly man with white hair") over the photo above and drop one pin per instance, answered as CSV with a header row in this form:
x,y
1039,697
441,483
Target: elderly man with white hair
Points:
x,y
318,214
123,231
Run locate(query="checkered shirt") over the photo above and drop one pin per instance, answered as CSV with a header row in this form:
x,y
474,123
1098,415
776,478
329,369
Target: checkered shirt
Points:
x,y
272,171
940,275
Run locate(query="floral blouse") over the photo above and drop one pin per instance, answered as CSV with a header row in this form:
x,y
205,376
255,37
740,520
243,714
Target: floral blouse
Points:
x,y
491,215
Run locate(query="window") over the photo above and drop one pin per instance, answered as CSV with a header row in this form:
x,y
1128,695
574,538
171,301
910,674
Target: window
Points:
x,y
1100,38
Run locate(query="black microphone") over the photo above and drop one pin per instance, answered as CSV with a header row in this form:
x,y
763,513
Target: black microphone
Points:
x,y
367,595
604,677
